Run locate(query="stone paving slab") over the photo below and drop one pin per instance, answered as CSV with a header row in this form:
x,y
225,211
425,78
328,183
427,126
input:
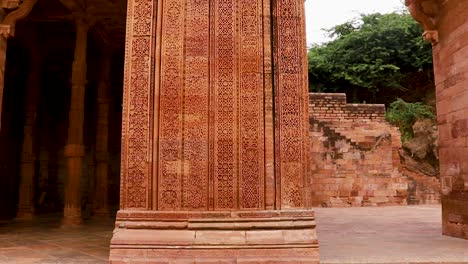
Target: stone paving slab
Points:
x,y
384,235
43,241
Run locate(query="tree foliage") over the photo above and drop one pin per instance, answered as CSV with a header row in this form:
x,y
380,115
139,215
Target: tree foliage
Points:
x,y
375,58
404,115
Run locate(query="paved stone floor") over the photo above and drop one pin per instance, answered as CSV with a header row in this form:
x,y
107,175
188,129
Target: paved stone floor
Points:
x,y
43,241
347,235
409,234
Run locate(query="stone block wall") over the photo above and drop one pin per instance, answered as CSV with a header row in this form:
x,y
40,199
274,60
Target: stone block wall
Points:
x,y
451,78
355,156
356,159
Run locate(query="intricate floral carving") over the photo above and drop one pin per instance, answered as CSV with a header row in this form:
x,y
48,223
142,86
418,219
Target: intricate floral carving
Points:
x,y
291,97
137,115
170,103
214,105
226,104
251,112
196,106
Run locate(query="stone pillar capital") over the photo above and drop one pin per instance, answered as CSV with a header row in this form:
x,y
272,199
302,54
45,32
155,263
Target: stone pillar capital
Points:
x,y
7,30
81,21
9,22
426,13
9,4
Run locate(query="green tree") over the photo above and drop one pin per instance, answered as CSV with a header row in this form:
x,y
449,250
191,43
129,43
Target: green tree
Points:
x,y
375,58
404,115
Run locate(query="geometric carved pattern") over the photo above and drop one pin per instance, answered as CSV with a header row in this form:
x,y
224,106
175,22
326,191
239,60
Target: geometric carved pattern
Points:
x,y
251,119
187,83
291,94
137,113
213,140
170,103
226,104
196,109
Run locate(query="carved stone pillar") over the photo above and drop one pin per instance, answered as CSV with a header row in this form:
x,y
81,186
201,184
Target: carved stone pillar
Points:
x,y
74,150
204,179
28,157
102,141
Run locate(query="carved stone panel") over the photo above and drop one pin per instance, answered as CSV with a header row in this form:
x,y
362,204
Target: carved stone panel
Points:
x,y
290,102
211,66
137,116
215,134
198,120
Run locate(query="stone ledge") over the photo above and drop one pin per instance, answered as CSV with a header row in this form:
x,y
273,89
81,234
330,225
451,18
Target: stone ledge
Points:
x,y
215,237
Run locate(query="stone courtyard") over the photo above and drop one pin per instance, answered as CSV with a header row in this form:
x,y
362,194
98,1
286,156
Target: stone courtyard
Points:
x,y
406,234
216,161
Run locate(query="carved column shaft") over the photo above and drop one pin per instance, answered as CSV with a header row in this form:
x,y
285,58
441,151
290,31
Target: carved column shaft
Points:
x,y
74,150
102,140
27,170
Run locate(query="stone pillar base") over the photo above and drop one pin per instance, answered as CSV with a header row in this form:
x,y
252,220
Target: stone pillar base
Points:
x,y
455,214
285,237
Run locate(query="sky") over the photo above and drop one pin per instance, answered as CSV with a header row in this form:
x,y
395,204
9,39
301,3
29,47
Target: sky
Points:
x,y
328,13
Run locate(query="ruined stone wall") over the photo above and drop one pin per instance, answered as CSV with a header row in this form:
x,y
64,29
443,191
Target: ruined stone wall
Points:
x,y
356,157
451,77
355,154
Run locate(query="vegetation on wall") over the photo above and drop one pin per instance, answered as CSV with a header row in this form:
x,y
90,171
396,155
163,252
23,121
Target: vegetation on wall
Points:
x,y
376,58
404,115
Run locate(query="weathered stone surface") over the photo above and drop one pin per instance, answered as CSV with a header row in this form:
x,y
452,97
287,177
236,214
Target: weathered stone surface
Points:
x,y
424,145
207,236
451,78
198,134
355,158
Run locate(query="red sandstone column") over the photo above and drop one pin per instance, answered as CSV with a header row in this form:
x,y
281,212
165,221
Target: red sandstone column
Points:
x,y
28,157
291,105
102,141
74,150
199,181
446,27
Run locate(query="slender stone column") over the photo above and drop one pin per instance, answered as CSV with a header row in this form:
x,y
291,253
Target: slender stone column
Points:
x,y
28,156
102,141
74,150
